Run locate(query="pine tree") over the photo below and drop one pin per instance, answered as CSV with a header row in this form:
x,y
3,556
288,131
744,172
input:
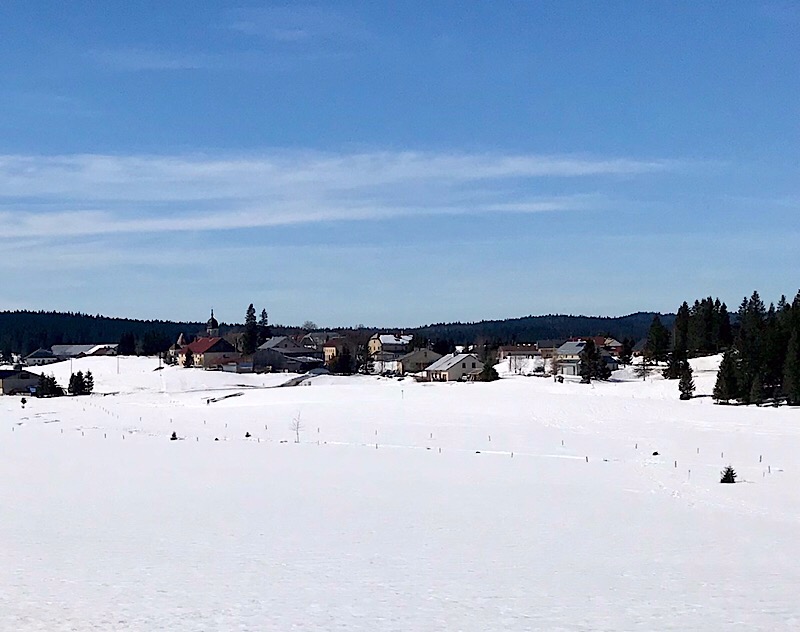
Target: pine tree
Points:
x,y
77,384
264,332
343,362
189,358
725,333
791,370
89,383
726,387
592,363
250,335
686,383
750,345
48,387
728,475
775,343
585,369
658,340
72,387
680,339
626,355
488,373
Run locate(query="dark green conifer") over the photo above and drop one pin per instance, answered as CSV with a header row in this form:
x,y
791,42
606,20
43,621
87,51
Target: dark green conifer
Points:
x,y
726,387
686,383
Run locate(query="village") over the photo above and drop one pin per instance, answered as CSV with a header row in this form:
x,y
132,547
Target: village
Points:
x,y
389,354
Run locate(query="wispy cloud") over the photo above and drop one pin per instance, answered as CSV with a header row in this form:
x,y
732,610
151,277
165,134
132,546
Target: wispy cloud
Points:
x,y
103,194
298,24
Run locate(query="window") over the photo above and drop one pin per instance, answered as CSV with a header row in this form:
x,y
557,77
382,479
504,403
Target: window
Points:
x,y
473,365
463,365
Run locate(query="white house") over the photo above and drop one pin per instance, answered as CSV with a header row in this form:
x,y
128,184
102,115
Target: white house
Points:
x,y
454,367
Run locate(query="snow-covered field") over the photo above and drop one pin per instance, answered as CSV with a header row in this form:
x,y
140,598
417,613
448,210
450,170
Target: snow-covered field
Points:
x,y
517,505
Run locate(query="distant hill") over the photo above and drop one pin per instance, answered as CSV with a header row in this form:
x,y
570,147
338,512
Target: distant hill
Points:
x,y
533,328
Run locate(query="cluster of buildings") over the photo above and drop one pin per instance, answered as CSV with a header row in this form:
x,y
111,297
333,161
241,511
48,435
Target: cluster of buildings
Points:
x,y
388,353
564,356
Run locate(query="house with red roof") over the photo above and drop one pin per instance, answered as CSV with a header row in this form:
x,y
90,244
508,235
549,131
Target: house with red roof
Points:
x,y
209,353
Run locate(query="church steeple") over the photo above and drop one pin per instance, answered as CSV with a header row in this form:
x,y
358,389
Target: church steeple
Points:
x,y
212,327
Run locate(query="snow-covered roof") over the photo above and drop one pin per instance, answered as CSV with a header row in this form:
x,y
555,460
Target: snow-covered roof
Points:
x,y
41,353
76,350
449,361
277,340
571,348
391,339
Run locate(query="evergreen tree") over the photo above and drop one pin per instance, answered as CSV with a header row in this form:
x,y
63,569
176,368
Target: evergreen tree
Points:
x,y
749,345
586,360
48,387
658,340
264,332
77,384
626,355
680,340
728,475
686,383
726,387
774,347
189,358
342,362
725,334
89,383
488,373
72,387
791,370
592,363
250,335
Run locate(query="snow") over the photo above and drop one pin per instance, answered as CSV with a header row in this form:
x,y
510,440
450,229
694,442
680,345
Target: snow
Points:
x,y
107,524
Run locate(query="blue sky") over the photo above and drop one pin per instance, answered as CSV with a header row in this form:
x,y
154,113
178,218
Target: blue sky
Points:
x,y
397,163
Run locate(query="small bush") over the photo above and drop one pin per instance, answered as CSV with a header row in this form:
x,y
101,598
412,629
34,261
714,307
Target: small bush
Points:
x,y
174,436
728,475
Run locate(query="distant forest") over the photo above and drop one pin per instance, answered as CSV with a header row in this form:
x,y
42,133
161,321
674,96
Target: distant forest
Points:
x,y
552,326
25,331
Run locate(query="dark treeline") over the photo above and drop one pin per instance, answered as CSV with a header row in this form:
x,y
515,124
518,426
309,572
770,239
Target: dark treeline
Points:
x,y
763,363
703,329
761,345
533,328
25,331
